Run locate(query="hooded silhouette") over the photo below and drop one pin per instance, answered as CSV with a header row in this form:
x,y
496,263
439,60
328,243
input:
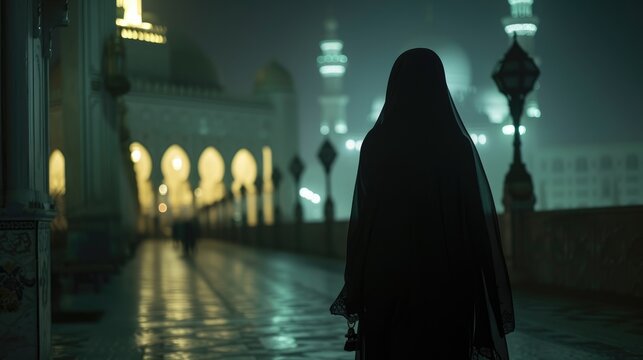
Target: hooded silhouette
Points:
x,y
425,272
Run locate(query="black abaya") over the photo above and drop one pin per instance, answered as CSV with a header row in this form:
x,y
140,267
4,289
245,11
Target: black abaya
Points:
x,y
424,270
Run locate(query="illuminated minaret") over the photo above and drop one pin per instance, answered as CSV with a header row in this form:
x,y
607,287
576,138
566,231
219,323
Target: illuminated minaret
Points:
x,y
332,66
524,24
131,25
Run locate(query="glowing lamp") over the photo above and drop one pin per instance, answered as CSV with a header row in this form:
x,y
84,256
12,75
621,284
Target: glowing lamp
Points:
x,y
516,74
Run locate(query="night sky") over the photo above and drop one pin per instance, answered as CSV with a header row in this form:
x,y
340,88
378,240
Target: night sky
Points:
x,y
591,83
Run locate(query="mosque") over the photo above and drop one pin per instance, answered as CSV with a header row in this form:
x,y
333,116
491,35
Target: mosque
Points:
x,y
564,177
185,143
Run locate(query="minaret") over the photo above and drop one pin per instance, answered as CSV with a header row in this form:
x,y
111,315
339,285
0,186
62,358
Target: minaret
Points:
x,y
524,24
332,66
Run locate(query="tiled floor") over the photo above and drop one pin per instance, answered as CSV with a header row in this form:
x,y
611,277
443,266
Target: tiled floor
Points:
x,y
231,302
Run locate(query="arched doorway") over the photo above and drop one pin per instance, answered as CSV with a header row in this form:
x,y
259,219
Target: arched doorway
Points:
x,y
211,171
57,189
211,187
244,173
142,162
175,166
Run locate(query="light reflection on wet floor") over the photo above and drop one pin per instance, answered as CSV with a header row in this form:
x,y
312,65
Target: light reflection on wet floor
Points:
x,y
231,302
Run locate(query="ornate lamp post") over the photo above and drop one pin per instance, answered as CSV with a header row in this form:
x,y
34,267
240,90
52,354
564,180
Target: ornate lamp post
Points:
x,y
296,168
327,155
515,76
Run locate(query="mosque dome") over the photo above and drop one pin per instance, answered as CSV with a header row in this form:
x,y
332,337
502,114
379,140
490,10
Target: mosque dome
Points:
x,y
189,64
457,64
273,77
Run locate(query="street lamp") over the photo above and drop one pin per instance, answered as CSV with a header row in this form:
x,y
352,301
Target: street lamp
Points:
x,y
276,181
296,169
515,76
327,155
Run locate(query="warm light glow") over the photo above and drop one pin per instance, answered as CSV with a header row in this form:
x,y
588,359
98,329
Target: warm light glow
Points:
x,y
332,70
132,26
211,171
162,208
163,189
56,173
197,192
175,166
142,162
244,173
136,155
133,10
177,163
142,25
268,187
143,35
521,29
244,167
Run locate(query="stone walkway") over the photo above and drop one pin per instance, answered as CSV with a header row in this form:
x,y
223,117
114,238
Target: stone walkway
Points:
x,y
231,302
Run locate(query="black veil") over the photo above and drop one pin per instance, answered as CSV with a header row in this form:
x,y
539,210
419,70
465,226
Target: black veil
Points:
x,y
420,132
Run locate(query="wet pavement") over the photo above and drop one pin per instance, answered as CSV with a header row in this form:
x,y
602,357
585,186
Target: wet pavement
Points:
x,y
232,302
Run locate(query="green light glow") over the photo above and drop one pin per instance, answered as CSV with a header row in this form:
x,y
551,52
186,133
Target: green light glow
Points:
x,y
333,46
332,70
528,29
341,128
533,112
515,2
509,129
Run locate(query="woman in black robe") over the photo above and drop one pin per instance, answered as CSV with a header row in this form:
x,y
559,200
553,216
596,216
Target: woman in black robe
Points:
x,y
425,273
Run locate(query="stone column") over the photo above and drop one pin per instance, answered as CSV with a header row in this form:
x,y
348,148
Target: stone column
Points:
x,y
95,173
25,207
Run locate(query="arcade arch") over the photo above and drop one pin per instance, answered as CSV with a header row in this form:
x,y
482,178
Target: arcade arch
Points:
x,y
142,162
175,166
57,188
211,171
244,174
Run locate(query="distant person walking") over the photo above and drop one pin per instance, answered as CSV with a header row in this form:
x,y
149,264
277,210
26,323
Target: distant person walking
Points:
x,y
425,273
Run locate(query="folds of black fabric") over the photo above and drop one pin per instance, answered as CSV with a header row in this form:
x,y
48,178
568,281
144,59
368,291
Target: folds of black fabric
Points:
x,y
424,269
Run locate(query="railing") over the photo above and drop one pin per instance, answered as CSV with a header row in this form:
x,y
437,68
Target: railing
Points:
x,y
599,249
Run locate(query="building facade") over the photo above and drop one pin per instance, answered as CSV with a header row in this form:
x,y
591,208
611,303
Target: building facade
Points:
x,y
173,144
588,176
